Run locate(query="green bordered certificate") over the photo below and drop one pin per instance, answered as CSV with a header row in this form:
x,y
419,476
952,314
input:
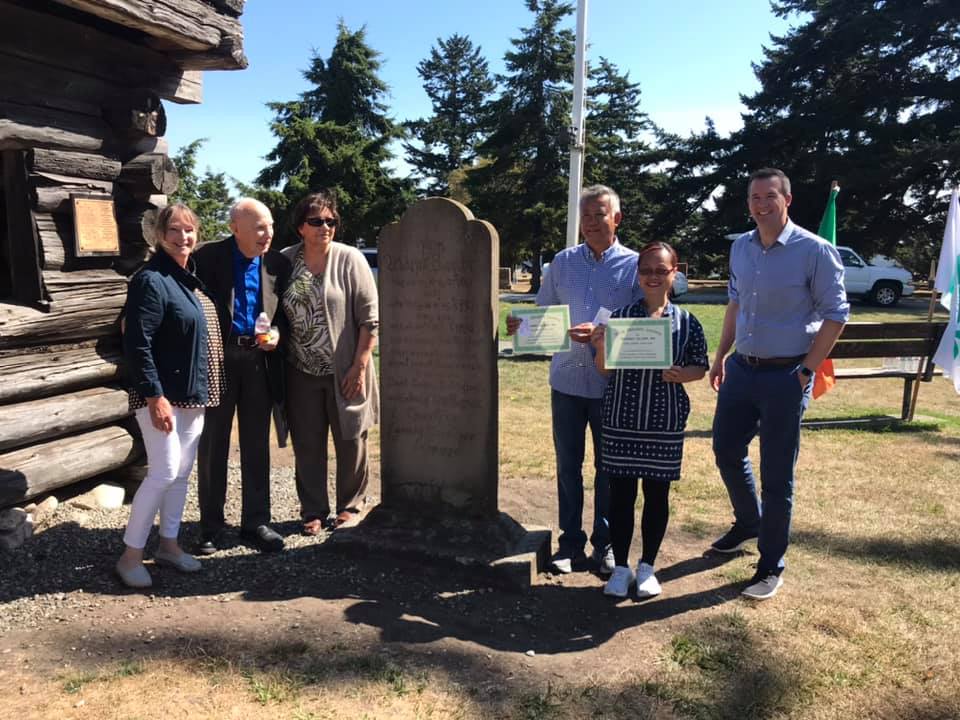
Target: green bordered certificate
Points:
x,y
638,343
542,329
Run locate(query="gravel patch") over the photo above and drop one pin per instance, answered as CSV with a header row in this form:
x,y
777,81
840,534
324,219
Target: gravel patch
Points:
x,y
65,571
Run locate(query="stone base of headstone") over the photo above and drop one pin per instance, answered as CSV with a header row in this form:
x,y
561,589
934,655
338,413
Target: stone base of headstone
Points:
x,y
499,548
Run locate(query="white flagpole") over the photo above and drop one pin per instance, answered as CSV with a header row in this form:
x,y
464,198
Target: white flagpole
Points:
x,y
577,134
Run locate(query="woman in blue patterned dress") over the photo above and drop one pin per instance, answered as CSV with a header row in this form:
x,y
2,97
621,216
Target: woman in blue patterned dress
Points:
x,y
644,416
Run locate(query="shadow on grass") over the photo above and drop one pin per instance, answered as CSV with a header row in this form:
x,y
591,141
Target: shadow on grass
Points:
x,y
726,671
290,673
874,423
932,554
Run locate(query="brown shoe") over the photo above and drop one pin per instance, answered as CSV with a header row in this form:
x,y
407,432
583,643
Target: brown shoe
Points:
x,y
346,518
313,527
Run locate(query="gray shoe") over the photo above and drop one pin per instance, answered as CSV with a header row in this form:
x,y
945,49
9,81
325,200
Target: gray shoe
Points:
x,y
137,577
619,583
762,587
183,562
604,560
562,565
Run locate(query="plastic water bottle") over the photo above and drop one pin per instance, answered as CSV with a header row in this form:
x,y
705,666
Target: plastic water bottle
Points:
x,y
261,328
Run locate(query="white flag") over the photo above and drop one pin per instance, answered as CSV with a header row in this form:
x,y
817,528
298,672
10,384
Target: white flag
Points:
x,y
948,283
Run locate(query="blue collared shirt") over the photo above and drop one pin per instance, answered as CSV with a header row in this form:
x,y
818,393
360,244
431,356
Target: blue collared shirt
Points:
x,y
577,279
246,293
784,291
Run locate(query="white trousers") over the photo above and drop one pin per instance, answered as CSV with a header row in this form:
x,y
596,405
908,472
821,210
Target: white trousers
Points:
x,y
170,459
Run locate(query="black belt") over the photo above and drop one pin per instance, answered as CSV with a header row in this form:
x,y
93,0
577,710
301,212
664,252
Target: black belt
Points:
x,y
244,341
753,361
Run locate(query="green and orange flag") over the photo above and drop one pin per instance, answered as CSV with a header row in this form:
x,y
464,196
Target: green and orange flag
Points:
x,y
825,378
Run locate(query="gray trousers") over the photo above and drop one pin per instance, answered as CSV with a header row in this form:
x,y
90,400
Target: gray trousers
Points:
x,y
311,411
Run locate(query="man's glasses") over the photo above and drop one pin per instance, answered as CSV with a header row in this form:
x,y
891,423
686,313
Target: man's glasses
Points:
x,y
320,222
662,272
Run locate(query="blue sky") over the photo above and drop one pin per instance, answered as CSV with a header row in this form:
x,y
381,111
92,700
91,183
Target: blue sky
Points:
x,y
691,57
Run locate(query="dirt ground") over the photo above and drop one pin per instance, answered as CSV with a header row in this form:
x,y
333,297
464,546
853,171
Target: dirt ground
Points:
x,y
434,617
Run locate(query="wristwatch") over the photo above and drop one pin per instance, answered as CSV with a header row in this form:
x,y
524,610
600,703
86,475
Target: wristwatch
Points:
x,y
805,371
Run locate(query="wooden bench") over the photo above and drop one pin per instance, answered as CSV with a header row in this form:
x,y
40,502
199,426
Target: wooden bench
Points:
x,y
890,340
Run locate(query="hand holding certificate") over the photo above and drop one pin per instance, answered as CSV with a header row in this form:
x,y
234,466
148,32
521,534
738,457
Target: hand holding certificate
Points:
x,y
638,343
542,329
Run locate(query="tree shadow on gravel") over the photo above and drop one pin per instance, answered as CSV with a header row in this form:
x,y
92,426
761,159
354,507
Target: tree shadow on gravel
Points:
x,y
450,601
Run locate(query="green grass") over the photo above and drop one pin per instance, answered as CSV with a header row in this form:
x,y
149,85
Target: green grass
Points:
x,y
74,683
273,687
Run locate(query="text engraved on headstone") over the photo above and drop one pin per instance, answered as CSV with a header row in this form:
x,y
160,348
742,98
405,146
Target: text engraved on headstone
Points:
x,y
438,359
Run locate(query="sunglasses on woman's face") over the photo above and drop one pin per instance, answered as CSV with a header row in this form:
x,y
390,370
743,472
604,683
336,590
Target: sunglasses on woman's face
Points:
x,y
320,222
662,272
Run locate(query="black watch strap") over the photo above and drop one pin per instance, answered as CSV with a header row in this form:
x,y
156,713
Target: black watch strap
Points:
x,y
805,371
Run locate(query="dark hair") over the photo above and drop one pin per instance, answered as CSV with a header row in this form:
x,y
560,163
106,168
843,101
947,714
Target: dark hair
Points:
x,y
168,214
764,173
659,245
323,199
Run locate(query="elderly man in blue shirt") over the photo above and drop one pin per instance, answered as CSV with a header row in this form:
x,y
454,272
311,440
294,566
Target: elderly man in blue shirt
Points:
x,y
246,278
599,273
786,309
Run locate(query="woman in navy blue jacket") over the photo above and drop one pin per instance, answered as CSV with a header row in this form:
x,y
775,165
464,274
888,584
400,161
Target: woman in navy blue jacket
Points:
x,y
174,361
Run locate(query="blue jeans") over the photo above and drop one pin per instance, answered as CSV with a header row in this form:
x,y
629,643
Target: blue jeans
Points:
x,y
768,401
571,415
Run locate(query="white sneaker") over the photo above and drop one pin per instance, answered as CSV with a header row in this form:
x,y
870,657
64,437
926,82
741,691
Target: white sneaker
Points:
x,y
604,560
562,565
647,583
619,583
762,588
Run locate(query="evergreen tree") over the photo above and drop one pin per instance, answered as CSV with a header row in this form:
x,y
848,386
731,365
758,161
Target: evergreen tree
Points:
x,y
523,190
207,195
864,93
616,154
458,82
336,135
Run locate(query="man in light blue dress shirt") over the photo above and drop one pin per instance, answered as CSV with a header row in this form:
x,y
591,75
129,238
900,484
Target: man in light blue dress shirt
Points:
x,y
600,272
786,309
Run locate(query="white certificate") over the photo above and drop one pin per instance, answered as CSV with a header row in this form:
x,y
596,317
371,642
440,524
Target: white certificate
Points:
x,y
638,343
542,329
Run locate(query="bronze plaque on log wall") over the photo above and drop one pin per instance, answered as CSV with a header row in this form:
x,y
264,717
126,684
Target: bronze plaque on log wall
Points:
x,y
95,226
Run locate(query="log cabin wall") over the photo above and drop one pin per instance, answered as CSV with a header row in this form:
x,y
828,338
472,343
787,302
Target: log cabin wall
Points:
x,y
81,85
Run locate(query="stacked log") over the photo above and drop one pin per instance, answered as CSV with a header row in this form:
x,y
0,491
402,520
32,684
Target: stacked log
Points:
x,y
81,83
55,370
77,164
150,174
51,465
59,423
195,28
91,64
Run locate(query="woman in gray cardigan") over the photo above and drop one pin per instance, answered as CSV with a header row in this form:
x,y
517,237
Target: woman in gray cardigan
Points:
x,y
331,306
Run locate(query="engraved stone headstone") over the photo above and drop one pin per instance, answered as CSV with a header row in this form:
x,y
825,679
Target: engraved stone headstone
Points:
x,y
438,361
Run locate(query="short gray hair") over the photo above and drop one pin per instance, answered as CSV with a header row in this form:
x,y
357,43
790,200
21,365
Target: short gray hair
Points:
x,y
595,192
